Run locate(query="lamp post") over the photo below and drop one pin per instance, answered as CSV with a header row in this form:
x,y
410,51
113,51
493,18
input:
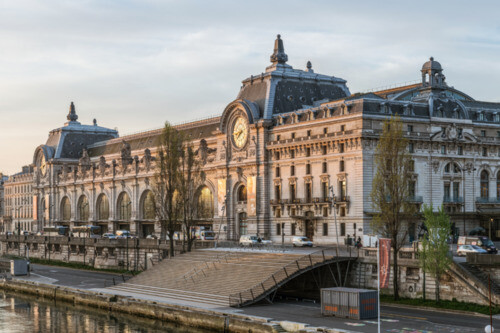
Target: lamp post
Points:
x,y
223,208
491,222
334,204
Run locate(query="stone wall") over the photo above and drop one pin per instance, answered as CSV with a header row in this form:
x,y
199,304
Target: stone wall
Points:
x,y
455,283
131,254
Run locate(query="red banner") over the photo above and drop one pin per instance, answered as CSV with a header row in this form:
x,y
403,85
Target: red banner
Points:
x,y
384,261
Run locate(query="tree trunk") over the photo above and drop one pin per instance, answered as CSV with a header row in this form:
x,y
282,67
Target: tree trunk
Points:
x,y
437,288
171,241
395,274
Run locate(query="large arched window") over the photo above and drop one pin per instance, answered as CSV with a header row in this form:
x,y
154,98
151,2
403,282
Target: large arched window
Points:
x,y
102,208
83,208
124,207
242,193
65,209
148,206
205,203
484,184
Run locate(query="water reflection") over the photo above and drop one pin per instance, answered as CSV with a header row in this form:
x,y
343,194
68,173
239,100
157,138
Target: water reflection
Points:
x,y
20,313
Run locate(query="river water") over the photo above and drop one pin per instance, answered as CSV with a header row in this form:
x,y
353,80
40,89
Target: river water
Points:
x,y
20,313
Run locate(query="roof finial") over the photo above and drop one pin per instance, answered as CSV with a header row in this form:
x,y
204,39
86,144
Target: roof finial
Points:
x,y
279,56
72,116
431,58
309,67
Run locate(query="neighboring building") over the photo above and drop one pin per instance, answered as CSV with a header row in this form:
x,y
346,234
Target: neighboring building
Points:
x,y
274,153
18,193
3,179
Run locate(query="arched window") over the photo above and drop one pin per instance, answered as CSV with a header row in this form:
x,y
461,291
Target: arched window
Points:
x,y
83,208
242,218
102,207
484,184
65,209
242,193
148,206
205,203
124,207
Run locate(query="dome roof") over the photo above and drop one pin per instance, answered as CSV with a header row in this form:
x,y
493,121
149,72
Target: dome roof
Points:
x,y
431,64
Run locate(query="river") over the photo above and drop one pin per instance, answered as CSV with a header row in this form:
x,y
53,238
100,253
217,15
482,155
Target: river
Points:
x,y
21,313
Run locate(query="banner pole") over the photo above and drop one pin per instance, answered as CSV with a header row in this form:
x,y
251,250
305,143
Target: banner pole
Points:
x,y
378,282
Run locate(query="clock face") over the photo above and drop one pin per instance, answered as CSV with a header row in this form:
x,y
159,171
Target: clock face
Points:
x,y
41,164
240,132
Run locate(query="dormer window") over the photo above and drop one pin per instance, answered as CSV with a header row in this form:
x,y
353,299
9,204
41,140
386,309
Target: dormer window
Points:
x,y
497,117
481,116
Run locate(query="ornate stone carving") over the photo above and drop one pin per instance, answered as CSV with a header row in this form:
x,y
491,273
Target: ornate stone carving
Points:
x,y
451,132
147,159
205,153
435,166
102,166
126,155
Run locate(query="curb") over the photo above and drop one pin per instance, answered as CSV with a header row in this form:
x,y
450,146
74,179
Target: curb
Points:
x,y
413,307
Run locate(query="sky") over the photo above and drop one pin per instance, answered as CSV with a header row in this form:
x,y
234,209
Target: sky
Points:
x,y
133,65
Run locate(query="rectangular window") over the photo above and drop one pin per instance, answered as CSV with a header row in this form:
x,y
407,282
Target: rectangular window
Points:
x,y
308,193
341,166
485,152
460,132
461,150
343,190
342,229
324,190
325,211
278,229
292,153
456,187
278,137
293,136
325,130
277,155
324,149
294,229
443,149
277,192
411,188
308,151
447,191
410,128
277,171
410,148
325,229
309,133
324,167
292,192
341,147
278,212
483,133
308,169
292,170
498,134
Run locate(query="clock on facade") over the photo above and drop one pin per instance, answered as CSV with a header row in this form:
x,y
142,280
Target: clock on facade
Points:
x,y
240,132
41,163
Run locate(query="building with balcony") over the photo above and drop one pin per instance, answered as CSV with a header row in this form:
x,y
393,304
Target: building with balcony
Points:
x,y
18,200
292,154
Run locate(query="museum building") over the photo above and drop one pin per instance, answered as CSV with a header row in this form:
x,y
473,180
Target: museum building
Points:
x,y
291,155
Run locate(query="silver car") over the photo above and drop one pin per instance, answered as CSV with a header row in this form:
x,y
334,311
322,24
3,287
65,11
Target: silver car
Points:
x,y
464,249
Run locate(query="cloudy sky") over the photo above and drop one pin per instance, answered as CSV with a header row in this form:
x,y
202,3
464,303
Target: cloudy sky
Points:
x,y
134,64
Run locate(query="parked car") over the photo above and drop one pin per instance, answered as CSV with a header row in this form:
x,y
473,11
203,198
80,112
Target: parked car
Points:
x,y
482,241
109,235
248,240
464,249
123,234
301,241
152,236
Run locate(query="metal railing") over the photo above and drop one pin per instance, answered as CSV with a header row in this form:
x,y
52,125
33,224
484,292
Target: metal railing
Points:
x,y
307,261
487,200
452,199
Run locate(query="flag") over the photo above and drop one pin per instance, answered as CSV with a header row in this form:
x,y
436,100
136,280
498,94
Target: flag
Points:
x,y
385,261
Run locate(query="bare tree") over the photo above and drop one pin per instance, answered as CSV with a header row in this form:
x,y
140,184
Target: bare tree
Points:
x,y
391,190
435,257
166,182
191,179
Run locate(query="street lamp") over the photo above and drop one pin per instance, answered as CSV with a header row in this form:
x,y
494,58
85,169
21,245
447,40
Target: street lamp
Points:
x,y
223,208
333,205
491,222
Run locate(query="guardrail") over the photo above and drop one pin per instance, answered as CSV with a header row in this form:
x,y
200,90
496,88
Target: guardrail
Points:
x,y
307,261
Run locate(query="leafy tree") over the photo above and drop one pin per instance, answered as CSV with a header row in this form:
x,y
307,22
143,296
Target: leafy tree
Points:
x,y
391,190
166,182
434,257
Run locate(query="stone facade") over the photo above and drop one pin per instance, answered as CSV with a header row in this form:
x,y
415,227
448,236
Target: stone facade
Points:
x,y
18,197
292,154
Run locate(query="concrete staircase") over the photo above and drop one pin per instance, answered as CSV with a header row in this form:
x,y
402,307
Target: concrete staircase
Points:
x,y
476,280
207,277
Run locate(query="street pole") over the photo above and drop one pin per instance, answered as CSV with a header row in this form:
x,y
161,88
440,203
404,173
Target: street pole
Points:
x,y
335,217
491,222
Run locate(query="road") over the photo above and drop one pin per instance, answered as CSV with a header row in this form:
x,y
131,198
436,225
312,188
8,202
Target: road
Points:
x,y
394,319
74,278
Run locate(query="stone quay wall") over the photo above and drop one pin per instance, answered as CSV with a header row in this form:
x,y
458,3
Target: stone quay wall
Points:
x,y
131,254
456,283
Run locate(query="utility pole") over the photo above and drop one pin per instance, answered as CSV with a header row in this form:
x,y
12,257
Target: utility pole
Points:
x,y
334,206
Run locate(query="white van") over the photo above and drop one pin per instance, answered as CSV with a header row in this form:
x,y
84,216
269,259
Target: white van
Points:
x,y
248,240
301,241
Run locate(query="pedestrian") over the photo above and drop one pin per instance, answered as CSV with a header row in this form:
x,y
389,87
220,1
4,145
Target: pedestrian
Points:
x,y
358,243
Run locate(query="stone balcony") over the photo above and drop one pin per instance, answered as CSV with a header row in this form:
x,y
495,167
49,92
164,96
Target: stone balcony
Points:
x,y
453,200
